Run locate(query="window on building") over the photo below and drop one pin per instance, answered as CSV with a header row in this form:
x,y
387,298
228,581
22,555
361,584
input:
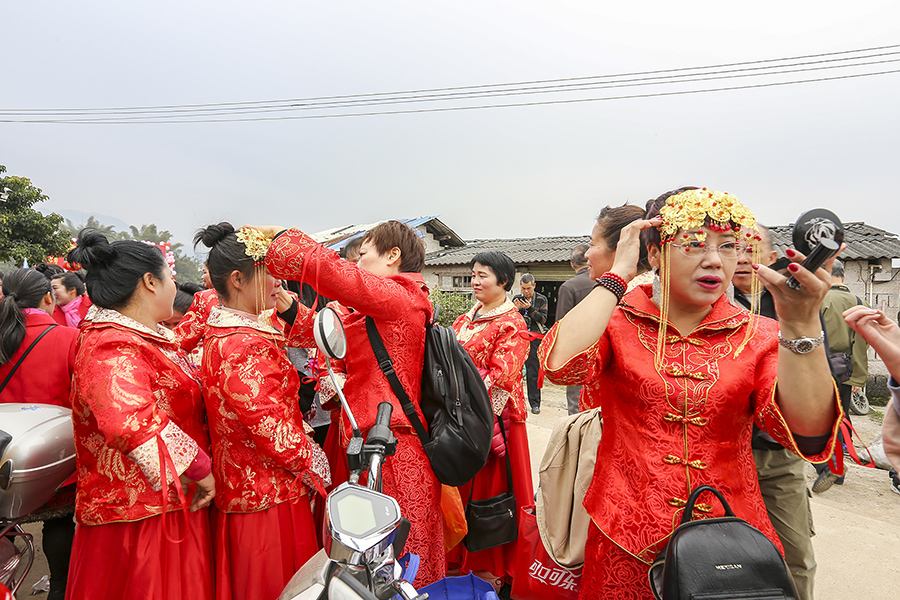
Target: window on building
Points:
x,y
462,281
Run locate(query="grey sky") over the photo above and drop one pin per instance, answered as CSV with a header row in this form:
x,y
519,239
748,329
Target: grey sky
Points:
x,y
494,173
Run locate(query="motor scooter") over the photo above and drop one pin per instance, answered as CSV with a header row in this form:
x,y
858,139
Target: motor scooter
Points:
x,y
37,456
365,532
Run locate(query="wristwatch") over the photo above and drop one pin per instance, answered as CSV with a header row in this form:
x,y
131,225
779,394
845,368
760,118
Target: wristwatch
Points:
x,y
802,345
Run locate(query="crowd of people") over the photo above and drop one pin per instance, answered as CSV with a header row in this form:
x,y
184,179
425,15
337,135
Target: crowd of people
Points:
x,y
207,434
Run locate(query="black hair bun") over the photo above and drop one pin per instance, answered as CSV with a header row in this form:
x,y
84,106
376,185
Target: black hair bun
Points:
x,y
212,235
92,250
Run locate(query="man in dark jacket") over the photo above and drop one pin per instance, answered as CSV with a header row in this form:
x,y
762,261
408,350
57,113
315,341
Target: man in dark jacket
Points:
x,y
782,474
533,307
571,293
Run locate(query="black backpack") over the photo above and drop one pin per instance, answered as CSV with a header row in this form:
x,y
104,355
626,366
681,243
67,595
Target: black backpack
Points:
x,y
719,559
455,403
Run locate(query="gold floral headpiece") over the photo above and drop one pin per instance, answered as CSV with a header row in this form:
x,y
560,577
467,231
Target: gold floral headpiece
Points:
x,y
255,241
689,212
696,209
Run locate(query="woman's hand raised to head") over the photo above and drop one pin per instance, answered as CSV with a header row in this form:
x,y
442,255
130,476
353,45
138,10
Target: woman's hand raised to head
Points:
x,y
880,332
798,310
628,250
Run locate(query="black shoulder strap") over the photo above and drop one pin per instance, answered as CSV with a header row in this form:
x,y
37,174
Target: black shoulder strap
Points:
x,y
24,356
387,367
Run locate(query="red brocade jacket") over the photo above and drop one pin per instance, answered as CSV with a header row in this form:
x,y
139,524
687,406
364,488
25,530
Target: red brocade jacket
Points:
x,y
190,329
134,397
399,306
262,452
665,434
498,343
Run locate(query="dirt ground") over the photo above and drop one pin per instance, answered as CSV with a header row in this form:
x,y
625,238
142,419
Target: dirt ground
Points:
x,y
857,525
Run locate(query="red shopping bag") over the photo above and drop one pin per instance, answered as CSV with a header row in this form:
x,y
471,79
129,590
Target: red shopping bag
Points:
x,y
535,575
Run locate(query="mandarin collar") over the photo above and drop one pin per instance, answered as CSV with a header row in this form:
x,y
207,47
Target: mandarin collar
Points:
x,y
504,308
222,316
108,316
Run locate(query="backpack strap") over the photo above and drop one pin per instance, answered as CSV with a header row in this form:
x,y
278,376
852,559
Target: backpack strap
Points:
x,y
24,356
387,367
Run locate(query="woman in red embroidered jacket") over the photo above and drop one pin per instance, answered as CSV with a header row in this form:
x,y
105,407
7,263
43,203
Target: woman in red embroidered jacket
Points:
x,y
683,384
139,429
190,329
495,335
387,285
266,465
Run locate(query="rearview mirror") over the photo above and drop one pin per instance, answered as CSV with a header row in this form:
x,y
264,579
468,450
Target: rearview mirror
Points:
x,y
329,333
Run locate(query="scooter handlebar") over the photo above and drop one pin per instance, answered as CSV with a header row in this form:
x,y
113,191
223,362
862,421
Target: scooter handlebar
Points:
x,y
383,417
380,435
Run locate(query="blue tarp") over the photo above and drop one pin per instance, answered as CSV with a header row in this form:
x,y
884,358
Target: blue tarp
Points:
x,y
460,588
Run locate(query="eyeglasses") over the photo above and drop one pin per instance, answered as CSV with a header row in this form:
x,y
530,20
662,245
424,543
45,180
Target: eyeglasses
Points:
x,y
727,250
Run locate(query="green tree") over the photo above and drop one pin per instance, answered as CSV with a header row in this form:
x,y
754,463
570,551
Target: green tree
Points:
x,y
187,268
450,305
25,233
92,223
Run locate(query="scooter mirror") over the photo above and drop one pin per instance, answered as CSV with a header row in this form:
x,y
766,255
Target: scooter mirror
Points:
x,y
329,334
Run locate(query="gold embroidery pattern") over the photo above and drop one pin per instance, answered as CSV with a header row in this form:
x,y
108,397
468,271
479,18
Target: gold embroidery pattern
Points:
x,y
180,447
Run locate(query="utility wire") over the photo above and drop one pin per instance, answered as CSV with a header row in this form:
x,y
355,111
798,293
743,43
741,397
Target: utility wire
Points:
x,y
455,108
385,102
634,82
443,89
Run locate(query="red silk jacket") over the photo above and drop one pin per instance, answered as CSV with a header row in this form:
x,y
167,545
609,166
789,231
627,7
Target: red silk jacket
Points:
x,y
189,331
262,453
399,305
663,435
46,373
134,394
498,343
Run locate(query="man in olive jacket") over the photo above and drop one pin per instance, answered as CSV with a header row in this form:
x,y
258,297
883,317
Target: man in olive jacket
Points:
x,y
842,340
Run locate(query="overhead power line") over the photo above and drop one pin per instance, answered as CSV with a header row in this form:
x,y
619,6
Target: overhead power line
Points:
x,y
452,89
506,92
451,98
456,108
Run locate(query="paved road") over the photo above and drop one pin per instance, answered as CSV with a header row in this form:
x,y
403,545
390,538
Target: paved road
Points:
x,y
857,539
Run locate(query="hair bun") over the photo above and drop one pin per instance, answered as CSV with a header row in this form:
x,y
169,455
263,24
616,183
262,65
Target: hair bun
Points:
x,y
92,250
212,235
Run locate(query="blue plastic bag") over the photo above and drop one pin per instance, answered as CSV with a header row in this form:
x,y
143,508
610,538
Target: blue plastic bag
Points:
x,y
468,587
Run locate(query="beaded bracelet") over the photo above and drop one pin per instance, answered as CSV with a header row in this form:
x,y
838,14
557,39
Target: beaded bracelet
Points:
x,y
614,284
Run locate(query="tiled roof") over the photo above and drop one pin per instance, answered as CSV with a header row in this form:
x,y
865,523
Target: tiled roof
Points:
x,y
522,251
863,241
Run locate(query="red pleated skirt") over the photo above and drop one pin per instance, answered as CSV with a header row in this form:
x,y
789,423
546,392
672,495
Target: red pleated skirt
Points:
x,y
141,561
610,572
257,553
491,481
